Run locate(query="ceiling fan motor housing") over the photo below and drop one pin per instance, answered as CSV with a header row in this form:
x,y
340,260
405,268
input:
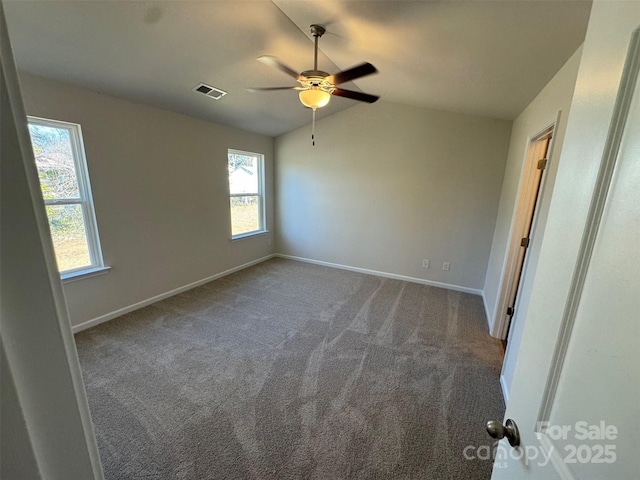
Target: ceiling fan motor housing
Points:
x,y
314,74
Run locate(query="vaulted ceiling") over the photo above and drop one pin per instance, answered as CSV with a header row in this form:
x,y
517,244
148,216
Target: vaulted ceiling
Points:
x,y
479,57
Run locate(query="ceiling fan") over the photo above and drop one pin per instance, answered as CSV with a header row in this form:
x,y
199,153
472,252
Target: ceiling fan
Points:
x,y
316,86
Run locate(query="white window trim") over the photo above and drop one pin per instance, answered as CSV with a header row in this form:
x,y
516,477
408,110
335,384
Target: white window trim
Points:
x,y
76,275
85,201
262,229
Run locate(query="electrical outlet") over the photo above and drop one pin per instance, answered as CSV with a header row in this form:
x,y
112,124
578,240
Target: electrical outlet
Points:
x,y
445,266
425,263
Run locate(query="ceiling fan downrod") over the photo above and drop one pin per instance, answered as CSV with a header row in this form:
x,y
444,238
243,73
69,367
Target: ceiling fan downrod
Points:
x,y
317,31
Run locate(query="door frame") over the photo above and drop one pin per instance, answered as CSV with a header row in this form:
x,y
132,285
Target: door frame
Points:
x,y
527,193
53,430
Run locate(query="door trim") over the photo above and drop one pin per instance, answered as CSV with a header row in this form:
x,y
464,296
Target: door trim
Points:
x,y
524,198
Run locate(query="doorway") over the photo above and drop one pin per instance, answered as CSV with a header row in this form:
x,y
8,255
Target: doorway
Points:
x,y
522,226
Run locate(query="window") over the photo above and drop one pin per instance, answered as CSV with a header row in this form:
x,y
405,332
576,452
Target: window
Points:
x,y
64,180
246,189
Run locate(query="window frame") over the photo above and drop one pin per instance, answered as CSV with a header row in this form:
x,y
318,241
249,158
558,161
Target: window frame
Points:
x,y
84,200
262,213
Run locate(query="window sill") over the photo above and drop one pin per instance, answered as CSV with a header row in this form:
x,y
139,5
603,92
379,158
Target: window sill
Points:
x,y
82,274
248,235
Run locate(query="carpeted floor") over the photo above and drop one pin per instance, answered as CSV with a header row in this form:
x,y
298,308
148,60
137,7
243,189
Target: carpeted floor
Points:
x,y
288,370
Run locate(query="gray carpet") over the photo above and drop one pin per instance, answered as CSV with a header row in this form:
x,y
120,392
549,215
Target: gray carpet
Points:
x,y
288,370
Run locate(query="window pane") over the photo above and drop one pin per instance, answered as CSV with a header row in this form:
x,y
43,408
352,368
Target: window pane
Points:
x,y
245,214
69,237
54,159
243,174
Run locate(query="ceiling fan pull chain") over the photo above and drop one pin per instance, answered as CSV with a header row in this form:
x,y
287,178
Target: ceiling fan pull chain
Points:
x,y
313,129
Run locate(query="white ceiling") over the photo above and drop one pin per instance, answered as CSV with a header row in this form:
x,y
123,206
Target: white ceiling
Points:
x,y
480,57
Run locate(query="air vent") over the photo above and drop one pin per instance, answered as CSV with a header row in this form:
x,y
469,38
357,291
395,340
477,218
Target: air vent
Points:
x,y
209,91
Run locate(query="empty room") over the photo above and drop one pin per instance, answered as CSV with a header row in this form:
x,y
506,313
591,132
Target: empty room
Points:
x,y
323,240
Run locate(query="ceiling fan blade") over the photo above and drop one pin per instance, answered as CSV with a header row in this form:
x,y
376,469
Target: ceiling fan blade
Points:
x,y
352,73
362,97
274,62
259,89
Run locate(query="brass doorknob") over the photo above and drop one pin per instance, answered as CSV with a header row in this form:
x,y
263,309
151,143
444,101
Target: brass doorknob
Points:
x,y
509,430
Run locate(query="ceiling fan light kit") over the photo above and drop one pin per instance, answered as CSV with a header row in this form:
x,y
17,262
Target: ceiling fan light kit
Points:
x,y
316,86
314,98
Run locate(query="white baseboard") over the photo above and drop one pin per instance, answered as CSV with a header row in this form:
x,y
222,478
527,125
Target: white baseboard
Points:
x,y
448,286
117,313
489,315
121,311
505,390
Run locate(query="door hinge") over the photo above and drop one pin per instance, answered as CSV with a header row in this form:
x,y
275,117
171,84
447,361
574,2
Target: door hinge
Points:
x,y
510,311
524,242
542,164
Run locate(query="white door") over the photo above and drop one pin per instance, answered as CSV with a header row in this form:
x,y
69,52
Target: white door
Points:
x,y
576,391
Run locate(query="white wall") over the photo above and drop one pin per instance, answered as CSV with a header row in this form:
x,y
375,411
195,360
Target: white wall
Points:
x,y
388,185
160,190
543,111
